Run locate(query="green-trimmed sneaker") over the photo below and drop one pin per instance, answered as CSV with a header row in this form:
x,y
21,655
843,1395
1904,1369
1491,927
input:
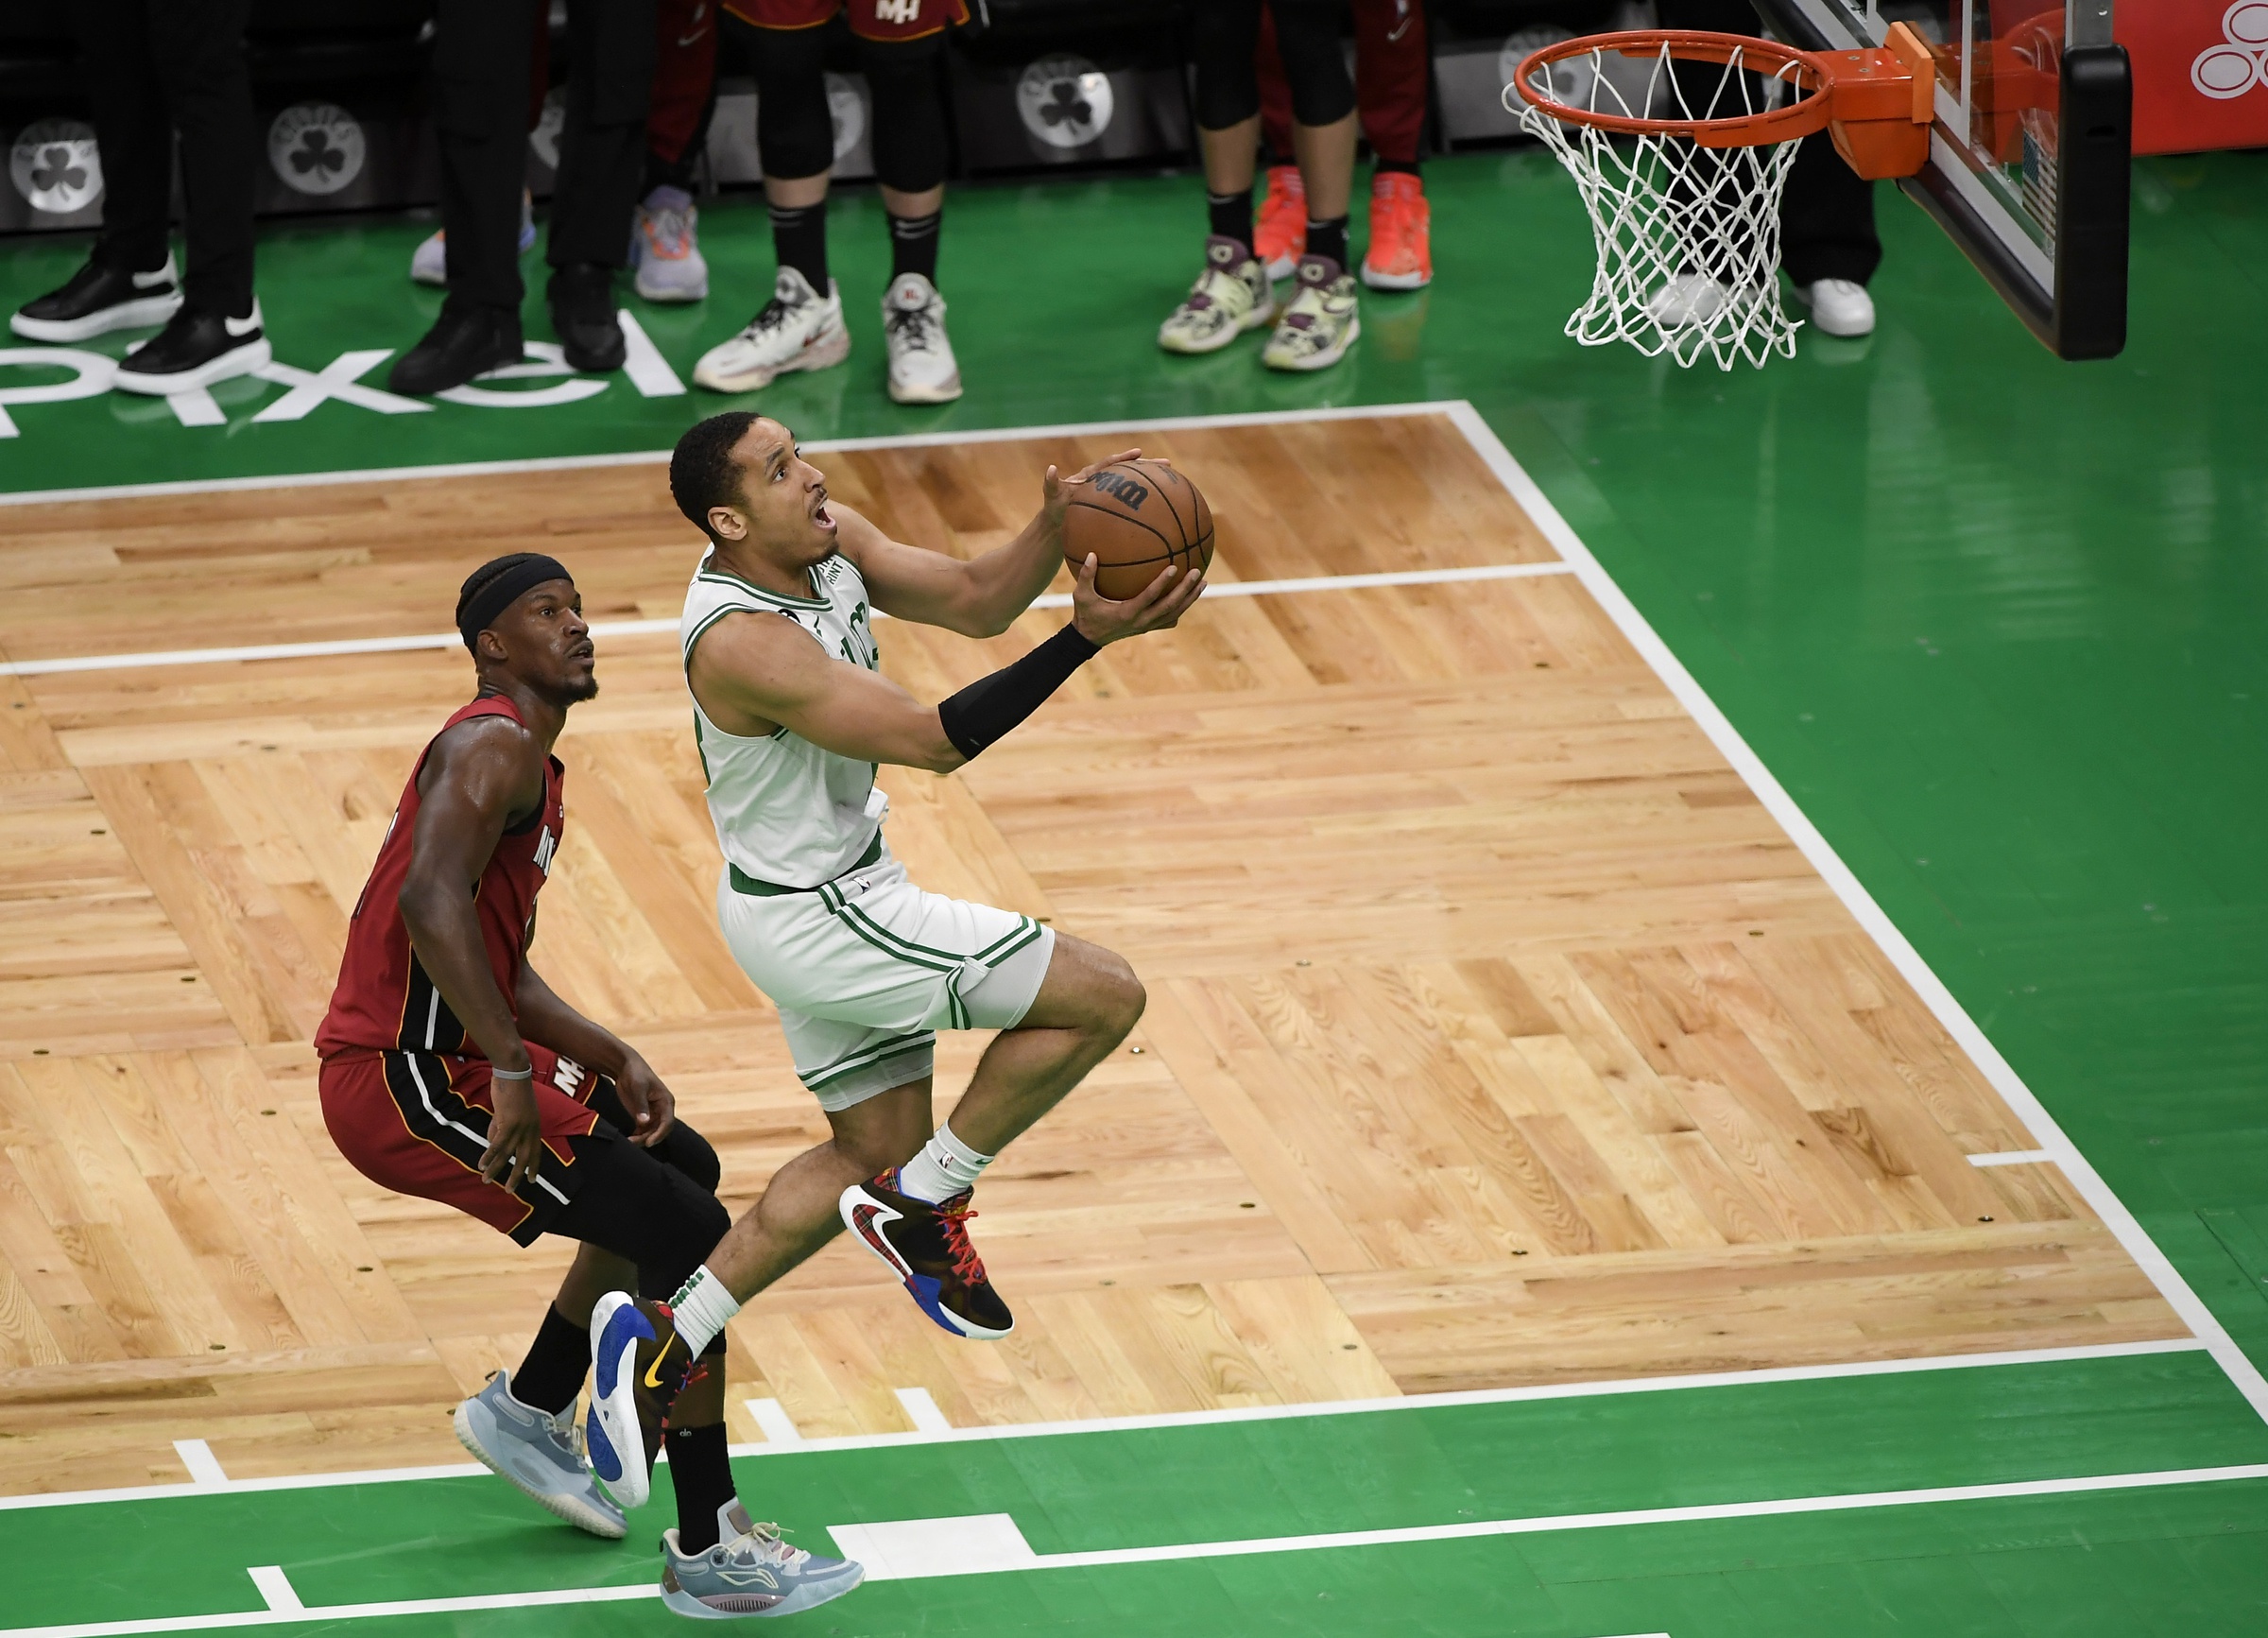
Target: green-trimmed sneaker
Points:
x,y
1231,296
1321,322
749,1572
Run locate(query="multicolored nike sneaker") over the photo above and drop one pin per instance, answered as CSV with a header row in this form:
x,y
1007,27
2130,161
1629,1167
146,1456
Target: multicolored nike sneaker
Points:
x,y
638,1365
927,1247
749,1572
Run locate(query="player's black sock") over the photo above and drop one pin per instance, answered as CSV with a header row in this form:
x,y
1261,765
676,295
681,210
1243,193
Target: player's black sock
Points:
x,y
913,245
1408,167
1329,239
1232,216
557,1362
799,241
702,1476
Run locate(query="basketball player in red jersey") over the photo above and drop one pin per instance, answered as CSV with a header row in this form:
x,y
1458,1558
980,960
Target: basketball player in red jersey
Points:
x,y
451,1070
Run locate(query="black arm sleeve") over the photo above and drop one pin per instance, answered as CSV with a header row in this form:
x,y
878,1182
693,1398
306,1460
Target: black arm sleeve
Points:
x,y
982,713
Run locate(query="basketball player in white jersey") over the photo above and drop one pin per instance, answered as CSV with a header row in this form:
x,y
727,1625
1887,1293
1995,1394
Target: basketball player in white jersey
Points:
x,y
793,717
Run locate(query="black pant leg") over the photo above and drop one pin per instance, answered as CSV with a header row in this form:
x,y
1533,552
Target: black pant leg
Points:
x,y
133,130
1827,218
602,148
198,46
480,117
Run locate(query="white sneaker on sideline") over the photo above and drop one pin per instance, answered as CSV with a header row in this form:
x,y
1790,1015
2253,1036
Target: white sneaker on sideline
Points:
x,y
1839,307
664,251
1688,299
798,329
922,368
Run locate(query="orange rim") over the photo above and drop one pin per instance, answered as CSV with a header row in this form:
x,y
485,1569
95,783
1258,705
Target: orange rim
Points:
x,y
1802,70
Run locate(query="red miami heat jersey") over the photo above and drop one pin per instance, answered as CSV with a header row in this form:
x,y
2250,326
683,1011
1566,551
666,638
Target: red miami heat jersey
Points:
x,y
384,999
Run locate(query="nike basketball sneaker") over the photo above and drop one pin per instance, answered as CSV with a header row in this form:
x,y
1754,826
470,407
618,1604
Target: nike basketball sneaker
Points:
x,y
927,1247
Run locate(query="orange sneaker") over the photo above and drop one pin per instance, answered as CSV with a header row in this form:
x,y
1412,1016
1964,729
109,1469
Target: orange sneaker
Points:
x,y
1401,242
1280,237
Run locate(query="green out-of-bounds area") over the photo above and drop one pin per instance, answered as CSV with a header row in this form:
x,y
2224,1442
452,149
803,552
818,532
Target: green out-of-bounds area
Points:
x,y
2186,1557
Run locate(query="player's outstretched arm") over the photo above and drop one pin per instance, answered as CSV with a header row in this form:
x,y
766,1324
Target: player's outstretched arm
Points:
x,y
479,775
754,674
548,1021
980,597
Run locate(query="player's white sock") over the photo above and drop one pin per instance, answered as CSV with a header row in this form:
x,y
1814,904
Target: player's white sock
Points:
x,y
702,1305
944,1169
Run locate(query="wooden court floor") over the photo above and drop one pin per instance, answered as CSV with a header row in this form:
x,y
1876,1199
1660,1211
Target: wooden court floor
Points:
x,y
1496,1034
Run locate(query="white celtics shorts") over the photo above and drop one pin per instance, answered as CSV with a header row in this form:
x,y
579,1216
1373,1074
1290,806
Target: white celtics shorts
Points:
x,y
868,968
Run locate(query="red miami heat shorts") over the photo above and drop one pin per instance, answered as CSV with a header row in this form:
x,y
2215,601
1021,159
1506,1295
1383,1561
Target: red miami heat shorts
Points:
x,y
417,1123
869,19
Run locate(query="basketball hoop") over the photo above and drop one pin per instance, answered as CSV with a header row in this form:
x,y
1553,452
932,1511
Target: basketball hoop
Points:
x,y
1684,200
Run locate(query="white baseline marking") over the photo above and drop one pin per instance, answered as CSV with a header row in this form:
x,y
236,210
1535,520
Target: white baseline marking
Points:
x,y
790,1442
908,1547
1860,903
654,628
773,1421
658,456
923,1411
204,1466
2012,1157
276,1587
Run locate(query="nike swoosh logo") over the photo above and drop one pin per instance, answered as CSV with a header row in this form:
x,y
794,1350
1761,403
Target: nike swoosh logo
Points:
x,y
864,1217
651,1380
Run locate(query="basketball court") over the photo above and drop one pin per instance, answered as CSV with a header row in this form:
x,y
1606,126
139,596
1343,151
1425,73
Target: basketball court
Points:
x,y
1555,1189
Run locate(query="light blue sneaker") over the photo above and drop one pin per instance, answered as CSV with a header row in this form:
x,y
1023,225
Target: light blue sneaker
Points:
x,y
538,1454
749,1572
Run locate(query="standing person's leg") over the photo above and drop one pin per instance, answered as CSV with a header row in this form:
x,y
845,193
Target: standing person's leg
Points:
x,y
197,46
602,155
1827,242
481,94
429,262
1281,234
665,248
904,64
802,326
128,280
1232,294
1391,73
1322,321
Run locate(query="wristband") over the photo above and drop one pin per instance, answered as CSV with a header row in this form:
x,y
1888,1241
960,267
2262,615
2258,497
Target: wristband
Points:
x,y
527,1074
980,713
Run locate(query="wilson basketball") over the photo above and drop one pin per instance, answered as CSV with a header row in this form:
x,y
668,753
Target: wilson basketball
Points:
x,y
1136,517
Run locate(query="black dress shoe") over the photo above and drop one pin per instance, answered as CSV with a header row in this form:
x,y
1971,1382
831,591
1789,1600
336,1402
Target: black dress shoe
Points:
x,y
194,350
98,300
582,312
463,342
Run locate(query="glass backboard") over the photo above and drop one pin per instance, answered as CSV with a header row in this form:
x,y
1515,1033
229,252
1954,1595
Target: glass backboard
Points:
x,y
2029,153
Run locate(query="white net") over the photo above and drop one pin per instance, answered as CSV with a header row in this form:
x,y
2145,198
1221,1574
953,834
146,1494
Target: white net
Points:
x,y
1687,237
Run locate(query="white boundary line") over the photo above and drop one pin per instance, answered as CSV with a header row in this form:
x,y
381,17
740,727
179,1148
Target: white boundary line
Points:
x,y
656,456
2012,1157
786,1441
284,1605
654,628
1860,903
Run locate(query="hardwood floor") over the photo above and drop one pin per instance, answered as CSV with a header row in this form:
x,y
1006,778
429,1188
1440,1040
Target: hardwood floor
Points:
x,y
1497,1033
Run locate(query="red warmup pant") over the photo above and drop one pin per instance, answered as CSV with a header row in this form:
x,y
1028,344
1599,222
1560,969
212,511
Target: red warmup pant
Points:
x,y
1390,70
685,69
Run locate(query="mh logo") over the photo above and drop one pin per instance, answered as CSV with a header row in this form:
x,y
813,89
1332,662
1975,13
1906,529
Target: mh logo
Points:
x,y
2240,61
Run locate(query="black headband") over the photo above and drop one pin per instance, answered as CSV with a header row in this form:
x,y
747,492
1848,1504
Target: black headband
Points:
x,y
496,585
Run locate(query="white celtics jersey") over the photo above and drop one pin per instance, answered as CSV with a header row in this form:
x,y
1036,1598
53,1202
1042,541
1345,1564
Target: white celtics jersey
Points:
x,y
785,811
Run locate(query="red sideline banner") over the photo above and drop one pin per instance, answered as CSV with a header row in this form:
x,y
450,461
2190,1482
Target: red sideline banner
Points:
x,y
2200,73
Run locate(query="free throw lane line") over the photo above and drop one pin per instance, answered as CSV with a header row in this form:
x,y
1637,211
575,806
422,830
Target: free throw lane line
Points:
x,y
655,627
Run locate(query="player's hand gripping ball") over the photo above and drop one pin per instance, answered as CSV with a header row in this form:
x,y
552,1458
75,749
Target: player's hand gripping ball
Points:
x,y
1136,517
